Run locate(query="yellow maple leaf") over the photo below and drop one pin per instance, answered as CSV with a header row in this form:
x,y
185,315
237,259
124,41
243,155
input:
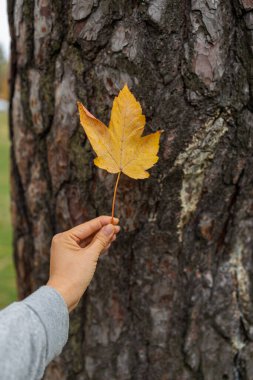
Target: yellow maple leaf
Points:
x,y
121,147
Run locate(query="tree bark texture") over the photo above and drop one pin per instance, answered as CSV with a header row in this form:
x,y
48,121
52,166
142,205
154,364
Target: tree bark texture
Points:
x,y
173,299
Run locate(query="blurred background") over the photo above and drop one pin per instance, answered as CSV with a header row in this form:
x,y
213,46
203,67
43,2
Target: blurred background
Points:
x,y
7,273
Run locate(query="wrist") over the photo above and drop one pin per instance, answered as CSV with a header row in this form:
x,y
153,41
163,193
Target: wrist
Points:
x,y
59,284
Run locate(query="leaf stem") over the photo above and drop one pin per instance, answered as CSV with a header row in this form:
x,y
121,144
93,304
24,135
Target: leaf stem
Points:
x,y
114,195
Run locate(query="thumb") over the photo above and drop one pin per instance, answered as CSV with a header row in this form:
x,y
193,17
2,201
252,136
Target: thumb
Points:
x,y
101,240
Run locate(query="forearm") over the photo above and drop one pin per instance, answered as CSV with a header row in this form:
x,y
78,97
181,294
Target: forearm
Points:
x,y
32,333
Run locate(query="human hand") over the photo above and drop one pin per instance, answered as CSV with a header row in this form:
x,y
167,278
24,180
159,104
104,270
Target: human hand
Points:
x,y
74,256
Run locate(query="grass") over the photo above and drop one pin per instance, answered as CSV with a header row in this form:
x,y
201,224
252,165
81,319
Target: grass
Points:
x,y
7,273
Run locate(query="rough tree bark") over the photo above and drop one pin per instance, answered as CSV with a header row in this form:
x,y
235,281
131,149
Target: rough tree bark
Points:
x,y
173,299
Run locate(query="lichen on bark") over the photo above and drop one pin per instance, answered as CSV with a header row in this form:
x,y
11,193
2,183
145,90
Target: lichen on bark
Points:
x,y
194,161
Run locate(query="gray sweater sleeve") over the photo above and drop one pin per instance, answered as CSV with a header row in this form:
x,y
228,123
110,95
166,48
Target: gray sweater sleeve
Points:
x,y
32,333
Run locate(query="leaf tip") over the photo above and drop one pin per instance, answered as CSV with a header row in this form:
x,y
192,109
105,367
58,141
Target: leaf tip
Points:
x,y
125,88
79,105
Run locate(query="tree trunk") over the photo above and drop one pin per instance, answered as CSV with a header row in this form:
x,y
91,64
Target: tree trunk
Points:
x,y
173,298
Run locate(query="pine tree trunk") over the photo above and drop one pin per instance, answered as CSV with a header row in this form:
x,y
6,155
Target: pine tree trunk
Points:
x,y
173,298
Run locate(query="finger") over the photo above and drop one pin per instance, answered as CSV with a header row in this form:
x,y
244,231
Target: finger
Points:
x,y
116,229
112,239
86,229
100,241
83,243
109,245
87,240
105,250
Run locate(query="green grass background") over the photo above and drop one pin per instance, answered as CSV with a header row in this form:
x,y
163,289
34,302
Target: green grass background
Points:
x,y
7,273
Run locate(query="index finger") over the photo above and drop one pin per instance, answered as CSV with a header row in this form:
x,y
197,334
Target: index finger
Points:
x,y
88,228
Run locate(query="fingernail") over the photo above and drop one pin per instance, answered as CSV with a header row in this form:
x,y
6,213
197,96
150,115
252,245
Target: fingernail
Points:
x,y
108,230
